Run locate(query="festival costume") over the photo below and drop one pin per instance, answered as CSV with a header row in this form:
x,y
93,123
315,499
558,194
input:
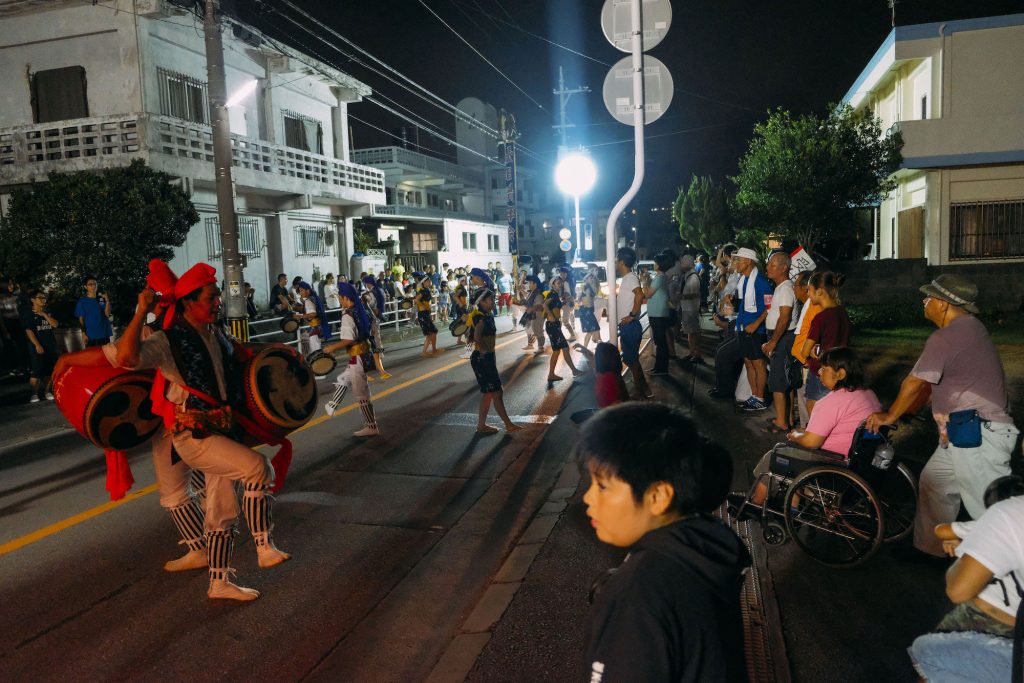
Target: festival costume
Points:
x,y
484,363
423,316
553,323
588,319
355,326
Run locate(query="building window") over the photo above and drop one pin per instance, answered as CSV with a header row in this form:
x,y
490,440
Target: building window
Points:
x,y
469,241
424,241
986,230
529,227
389,195
183,97
249,243
924,107
494,183
303,132
59,94
310,240
493,243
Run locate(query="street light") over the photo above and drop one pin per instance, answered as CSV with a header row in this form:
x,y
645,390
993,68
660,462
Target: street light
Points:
x,y
575,175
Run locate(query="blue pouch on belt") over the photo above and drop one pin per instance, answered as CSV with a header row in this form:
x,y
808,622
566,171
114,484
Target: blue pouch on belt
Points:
x,y
964,429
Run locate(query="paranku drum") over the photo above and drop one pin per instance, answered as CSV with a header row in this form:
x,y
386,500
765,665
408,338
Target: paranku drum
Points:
x,y
280,390
108,406
289,324
321,363
405,304
458,327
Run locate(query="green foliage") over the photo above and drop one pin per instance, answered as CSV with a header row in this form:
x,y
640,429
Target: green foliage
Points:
x,y
107,224
702,212
363,239
886,316
802,177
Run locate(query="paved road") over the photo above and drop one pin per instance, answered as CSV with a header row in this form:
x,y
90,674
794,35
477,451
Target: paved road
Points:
x,y
394,540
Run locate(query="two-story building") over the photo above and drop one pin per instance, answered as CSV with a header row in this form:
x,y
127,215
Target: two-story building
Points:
x,y
956,92
95,86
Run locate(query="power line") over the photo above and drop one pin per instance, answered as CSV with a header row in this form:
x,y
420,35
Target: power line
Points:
x,y
665,135
480,54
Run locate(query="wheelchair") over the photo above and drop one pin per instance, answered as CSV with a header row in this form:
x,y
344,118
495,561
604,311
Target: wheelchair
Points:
x,y
839,511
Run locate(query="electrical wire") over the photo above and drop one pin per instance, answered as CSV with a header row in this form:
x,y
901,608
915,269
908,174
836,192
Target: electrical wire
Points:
x,y
481,56
665,135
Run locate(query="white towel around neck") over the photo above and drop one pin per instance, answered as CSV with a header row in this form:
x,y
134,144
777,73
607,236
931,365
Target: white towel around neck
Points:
x,y
750,293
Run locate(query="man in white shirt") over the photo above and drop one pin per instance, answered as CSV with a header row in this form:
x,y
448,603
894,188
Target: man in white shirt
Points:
x,y
781,324
629,298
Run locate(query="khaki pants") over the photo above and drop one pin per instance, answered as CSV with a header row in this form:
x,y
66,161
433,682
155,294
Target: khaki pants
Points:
x,y
953,474
171,479
223,461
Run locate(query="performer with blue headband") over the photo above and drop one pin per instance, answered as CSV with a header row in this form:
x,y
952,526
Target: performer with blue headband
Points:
x,y
373,302
568,301
354,337
533,318
316,315
423,314
480,278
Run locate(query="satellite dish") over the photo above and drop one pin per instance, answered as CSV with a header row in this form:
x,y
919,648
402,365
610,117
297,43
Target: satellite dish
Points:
x,y
618,90
617,22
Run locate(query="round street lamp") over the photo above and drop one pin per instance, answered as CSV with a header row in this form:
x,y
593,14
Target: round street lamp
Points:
x,y
575,175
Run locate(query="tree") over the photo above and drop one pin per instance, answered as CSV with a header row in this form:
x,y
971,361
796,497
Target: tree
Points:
x,y
702,212
804,177
108,224
363,238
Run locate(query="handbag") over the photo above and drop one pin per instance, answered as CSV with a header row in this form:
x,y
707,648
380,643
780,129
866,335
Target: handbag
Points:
x,y
964,429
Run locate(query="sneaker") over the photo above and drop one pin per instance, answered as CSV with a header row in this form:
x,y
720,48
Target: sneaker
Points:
x,y
367,431
224,589
753,405
528,347
193,559
330,407
468,353
34,399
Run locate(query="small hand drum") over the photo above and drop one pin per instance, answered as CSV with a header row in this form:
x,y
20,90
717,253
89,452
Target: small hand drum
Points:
x,y
289,324
405,304
321,363
458,327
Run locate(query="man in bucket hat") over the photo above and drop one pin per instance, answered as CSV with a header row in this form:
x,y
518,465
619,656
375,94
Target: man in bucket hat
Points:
x,y
961,369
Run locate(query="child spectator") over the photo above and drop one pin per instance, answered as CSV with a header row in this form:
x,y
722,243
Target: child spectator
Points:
x,y
671,611
609,385
829,328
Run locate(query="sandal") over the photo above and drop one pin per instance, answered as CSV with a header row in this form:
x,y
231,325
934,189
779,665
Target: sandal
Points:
x,y
773,428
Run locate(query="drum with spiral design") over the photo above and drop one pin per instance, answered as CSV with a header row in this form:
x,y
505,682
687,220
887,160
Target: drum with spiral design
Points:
x,y
108,406
280,390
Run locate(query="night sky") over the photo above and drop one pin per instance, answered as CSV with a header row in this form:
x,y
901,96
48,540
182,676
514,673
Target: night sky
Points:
x,y
731,61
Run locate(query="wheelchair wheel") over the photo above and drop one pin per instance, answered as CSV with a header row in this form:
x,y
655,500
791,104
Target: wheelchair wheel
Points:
x,y
834,516
774,533
897,495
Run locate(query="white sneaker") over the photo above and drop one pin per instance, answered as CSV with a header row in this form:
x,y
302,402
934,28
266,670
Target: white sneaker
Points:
x,y
49,396
528,347
35,399
193,559
224,589
330,407
367,431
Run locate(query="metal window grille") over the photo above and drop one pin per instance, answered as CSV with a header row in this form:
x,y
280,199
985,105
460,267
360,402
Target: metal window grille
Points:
x,y
249,242
183,96
986,230
310,241
303,132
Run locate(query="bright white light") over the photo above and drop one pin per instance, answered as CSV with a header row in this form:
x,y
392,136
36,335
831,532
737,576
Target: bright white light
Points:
x,y
247,89
575,174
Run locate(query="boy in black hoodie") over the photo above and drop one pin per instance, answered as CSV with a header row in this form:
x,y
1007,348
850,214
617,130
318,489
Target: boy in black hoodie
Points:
x,y
671,611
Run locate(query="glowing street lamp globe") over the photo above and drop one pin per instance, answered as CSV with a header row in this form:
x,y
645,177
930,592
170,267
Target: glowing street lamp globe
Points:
x,y
575,174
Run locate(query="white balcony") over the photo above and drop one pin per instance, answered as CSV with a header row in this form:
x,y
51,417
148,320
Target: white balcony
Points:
x,y
183,149
406,166
423,213
937,143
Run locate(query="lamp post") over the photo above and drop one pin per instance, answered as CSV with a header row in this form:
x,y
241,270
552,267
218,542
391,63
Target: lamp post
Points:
x,y
575,175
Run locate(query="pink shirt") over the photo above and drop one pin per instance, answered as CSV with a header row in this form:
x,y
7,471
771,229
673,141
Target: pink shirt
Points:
x,y
837,416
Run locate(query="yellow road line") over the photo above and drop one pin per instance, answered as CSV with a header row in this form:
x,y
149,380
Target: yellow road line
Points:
x,y
52,529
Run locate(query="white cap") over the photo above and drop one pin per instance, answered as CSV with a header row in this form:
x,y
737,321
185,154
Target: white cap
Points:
x,y
747,253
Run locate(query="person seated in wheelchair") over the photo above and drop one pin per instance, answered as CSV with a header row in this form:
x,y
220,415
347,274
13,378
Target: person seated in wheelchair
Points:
x,y
834,422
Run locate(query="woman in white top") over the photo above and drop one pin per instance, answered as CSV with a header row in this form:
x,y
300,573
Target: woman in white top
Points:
x,y
331,292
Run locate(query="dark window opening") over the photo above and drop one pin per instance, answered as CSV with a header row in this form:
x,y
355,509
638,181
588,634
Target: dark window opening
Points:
x,y
303,132
59,94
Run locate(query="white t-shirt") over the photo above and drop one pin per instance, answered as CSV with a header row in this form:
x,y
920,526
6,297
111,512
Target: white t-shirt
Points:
x,y
996,540
624,299
690,301
348,328
784,295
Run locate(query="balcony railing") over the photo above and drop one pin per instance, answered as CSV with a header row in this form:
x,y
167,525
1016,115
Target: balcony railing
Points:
x,y
30,152
424,212
399,156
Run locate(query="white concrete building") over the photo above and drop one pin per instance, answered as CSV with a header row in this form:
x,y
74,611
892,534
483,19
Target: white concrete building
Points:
x,y
956,92
95,86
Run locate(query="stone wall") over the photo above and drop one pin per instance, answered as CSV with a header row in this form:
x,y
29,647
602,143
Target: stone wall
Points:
x,y
1000,285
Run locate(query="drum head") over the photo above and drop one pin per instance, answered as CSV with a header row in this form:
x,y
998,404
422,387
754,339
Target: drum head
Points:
x,y
120,413
405,304
459,328
321,363
280,387
289,325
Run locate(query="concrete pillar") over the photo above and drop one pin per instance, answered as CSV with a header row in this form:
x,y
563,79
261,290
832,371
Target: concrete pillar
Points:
x,y
275,252
267,118
346,246
339,126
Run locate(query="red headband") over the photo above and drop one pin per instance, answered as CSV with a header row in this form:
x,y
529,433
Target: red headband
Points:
x,y
196,277
163,280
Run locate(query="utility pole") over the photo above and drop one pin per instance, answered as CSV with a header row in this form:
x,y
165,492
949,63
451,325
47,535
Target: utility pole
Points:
x,y
233,296
563,101
509,135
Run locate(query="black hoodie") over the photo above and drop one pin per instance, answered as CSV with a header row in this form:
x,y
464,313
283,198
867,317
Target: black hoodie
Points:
x,y
671,612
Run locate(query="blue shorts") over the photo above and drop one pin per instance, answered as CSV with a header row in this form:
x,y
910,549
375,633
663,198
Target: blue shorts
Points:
x,y
629,341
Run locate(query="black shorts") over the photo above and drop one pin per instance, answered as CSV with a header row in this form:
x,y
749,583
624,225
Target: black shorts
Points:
x,y
554,330
42,364
750,344
426,323
485,367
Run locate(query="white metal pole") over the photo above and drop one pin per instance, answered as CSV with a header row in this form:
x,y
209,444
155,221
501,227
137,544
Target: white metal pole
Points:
x,y
577,257
638,167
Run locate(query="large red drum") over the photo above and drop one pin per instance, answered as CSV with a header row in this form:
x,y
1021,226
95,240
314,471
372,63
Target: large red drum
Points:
x,y
280,390
108,406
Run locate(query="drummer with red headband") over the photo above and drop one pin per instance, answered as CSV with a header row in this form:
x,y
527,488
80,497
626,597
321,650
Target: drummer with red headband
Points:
x,y
203,373
353,337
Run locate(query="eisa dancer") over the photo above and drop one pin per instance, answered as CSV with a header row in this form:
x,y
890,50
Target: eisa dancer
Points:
x,y
423,316
485,365
203,374
353,337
